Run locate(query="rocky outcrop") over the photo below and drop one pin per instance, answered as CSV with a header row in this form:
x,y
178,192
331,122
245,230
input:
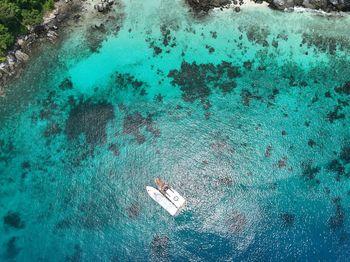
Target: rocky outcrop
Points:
x,y
104,6
325,5
21,56
205,5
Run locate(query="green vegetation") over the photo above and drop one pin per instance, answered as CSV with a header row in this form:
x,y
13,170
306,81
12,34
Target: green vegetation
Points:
x,y
16,16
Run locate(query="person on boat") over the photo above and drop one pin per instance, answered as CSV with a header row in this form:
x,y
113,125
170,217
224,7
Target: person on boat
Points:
x,y
162,186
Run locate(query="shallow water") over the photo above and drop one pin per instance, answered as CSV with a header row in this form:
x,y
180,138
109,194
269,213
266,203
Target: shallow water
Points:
x,y
246,114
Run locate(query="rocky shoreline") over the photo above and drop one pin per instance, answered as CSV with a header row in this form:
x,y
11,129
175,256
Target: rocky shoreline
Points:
x,y
203,6
48,31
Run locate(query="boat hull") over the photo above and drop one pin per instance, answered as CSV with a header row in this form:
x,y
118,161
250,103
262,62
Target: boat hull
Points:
x,y
166,202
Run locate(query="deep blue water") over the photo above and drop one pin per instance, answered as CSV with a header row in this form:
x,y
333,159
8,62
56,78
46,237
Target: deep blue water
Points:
x,y
246,114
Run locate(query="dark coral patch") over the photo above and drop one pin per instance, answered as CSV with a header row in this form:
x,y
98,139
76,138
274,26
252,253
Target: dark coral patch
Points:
x,y
64,224
288,219
48,106
335,114
256,34
25,165
133,210
96,34
12,250
309,172
125,81
282,163
210,49
156,49
311,143
345,89
160,247
247,97
225,181
337,220
272,96
325,43
52,130
274,43
76,256
238,222
167,39
196,81
114,149
268,151
158,98
345,154
336,167
134,123
7,149
66,84
328,94
90,119
214,34
13,219
248,65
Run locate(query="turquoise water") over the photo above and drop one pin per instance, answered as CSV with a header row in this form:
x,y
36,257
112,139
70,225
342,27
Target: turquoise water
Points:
x,y
246,114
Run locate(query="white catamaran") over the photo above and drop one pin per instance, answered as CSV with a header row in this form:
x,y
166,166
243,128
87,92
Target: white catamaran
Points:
x,y
167,197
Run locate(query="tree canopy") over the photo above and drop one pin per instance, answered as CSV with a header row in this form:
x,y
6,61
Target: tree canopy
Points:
x,y
16,15
6,39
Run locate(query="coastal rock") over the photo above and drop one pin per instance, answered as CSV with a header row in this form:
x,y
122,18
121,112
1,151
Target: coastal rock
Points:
x,y
20,42
21,56
49,18
343,5
282,4
103,6
4,67
325,5
110,2
315,4
39,29
206,5
52,35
